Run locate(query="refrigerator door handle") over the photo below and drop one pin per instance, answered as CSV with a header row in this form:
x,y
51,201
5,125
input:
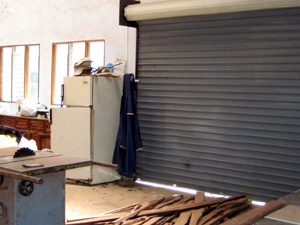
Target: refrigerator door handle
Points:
x,y
50,118
62,95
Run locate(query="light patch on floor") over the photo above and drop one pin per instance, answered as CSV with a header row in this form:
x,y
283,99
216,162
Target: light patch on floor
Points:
x,y
174,187
190,191
289,214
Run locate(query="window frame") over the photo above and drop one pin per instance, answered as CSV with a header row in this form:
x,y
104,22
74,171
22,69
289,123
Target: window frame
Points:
x,y
53,67
26,71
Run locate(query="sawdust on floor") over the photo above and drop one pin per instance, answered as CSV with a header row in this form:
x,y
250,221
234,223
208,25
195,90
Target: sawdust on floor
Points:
x,y
85,201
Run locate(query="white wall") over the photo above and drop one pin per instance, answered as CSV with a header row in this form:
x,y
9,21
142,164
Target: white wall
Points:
x,y
145,1
46,21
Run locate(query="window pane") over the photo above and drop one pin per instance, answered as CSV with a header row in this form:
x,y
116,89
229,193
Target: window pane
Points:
x,y
6,79
76,52
97,53
18,72
61,70
33,72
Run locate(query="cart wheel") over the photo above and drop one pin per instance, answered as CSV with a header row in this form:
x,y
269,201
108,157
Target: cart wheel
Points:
x,y
26,188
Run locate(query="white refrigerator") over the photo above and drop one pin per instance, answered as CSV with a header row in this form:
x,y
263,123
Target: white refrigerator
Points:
x,y
88,126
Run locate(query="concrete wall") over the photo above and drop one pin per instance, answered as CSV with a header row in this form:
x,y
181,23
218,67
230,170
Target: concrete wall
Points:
x,y
44,22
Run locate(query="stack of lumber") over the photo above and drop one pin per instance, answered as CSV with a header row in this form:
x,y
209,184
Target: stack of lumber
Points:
x,y
179,210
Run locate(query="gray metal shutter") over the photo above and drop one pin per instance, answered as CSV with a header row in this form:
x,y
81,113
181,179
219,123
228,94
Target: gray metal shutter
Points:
x,y
218,102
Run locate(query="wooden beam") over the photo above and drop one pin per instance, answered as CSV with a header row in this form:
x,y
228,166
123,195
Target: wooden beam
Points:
x,y
197,214
21,176
254,214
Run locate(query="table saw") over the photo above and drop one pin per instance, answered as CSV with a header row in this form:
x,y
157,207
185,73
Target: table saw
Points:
x,y
32,188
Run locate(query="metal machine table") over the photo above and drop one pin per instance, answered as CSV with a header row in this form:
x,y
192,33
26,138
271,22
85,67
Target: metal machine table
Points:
x,y
24,202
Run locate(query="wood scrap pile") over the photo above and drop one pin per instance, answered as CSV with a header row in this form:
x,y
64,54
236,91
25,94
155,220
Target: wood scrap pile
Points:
x,y
179,210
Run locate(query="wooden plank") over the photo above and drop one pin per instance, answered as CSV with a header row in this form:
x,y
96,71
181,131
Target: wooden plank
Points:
x,y
153,220
118,210
254,214
145,206
169,201
135,221
197,214
188,206
122,209
199,197
21,176
226,213
143,222
220,210
185,200
104,218
135,208
183,218
168,219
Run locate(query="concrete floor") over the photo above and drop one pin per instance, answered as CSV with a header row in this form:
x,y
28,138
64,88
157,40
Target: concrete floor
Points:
x,y
292,199
84,201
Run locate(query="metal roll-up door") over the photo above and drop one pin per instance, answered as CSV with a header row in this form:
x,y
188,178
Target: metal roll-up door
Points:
x,y
219,102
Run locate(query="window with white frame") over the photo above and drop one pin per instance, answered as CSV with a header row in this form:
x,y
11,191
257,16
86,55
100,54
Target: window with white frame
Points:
x,y
65,55
19,72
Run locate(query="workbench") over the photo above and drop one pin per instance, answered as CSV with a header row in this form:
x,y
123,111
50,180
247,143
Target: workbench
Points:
x,y
32,188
